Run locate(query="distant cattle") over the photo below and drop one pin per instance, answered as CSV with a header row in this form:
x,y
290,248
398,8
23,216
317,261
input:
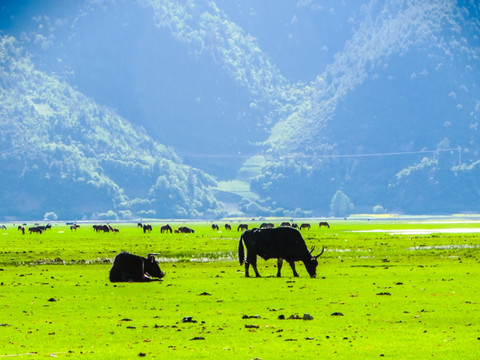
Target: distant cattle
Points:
x,y
3,227
305,226
74,227
22,229
166,228
280,243
133,268
139,225
228,227
147,228
215,227
185,230
104,228
285,223
324,223
35,229
267,226
242,227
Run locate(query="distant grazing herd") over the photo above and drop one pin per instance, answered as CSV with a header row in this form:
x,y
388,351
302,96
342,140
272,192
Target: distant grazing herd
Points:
x,y
147,228
282,243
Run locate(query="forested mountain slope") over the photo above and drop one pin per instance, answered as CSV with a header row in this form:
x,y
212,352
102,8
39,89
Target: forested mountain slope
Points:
x,y
299,107
63,153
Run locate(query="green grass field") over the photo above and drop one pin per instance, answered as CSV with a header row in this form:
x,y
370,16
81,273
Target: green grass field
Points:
x,y
381,292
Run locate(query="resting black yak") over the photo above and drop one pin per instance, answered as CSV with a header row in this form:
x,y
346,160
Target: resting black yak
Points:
x,y
133,268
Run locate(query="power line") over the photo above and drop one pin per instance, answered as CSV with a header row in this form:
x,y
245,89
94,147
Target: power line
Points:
x,y
322,156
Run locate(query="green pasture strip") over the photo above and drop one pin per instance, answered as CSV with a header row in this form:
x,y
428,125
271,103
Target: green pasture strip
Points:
x,y
375,295
342,240
422,307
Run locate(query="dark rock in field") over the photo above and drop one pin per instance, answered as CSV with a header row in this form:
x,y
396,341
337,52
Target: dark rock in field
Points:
x,y
131,327
126,319
251,326
4,325
198,338
51,300
251,317
188,319
307,317
294,317
281,317
142,354
337,314
205,294
384,293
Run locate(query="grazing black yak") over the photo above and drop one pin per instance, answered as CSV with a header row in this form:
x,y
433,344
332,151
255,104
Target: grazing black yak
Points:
x,y
278,243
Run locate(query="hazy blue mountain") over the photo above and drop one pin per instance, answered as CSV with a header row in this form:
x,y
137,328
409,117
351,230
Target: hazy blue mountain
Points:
x,y
63,153
284,103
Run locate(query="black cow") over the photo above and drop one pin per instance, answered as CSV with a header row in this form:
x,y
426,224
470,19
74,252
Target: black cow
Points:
x,y
104,228
185,230
35,229
267,226
280,243
242,227
147,228
228,227
166,228
215,227
133,268
305,226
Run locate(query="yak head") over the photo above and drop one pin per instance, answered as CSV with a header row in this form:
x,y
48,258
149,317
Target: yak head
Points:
x,y
151,267
312,264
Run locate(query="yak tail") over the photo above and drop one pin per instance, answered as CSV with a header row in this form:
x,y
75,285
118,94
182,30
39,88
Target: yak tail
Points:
x,y
241,251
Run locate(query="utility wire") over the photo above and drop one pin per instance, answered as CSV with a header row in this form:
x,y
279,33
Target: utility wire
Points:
x,y
303,156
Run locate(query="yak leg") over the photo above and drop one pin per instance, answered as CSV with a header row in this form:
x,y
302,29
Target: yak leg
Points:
x,y
247,265
292,265
279,266
251,260
254,265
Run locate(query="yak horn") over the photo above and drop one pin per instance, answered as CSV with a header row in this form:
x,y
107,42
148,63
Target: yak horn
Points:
x,y
323,249
313,248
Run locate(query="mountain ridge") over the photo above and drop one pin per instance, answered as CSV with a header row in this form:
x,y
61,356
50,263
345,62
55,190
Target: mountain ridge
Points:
x,y
389,118
76,153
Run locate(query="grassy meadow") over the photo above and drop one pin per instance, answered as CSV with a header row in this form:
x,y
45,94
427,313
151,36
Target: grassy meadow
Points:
x,y
388,288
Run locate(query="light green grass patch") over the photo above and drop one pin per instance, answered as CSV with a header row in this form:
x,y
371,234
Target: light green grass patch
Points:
x,y
373,297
